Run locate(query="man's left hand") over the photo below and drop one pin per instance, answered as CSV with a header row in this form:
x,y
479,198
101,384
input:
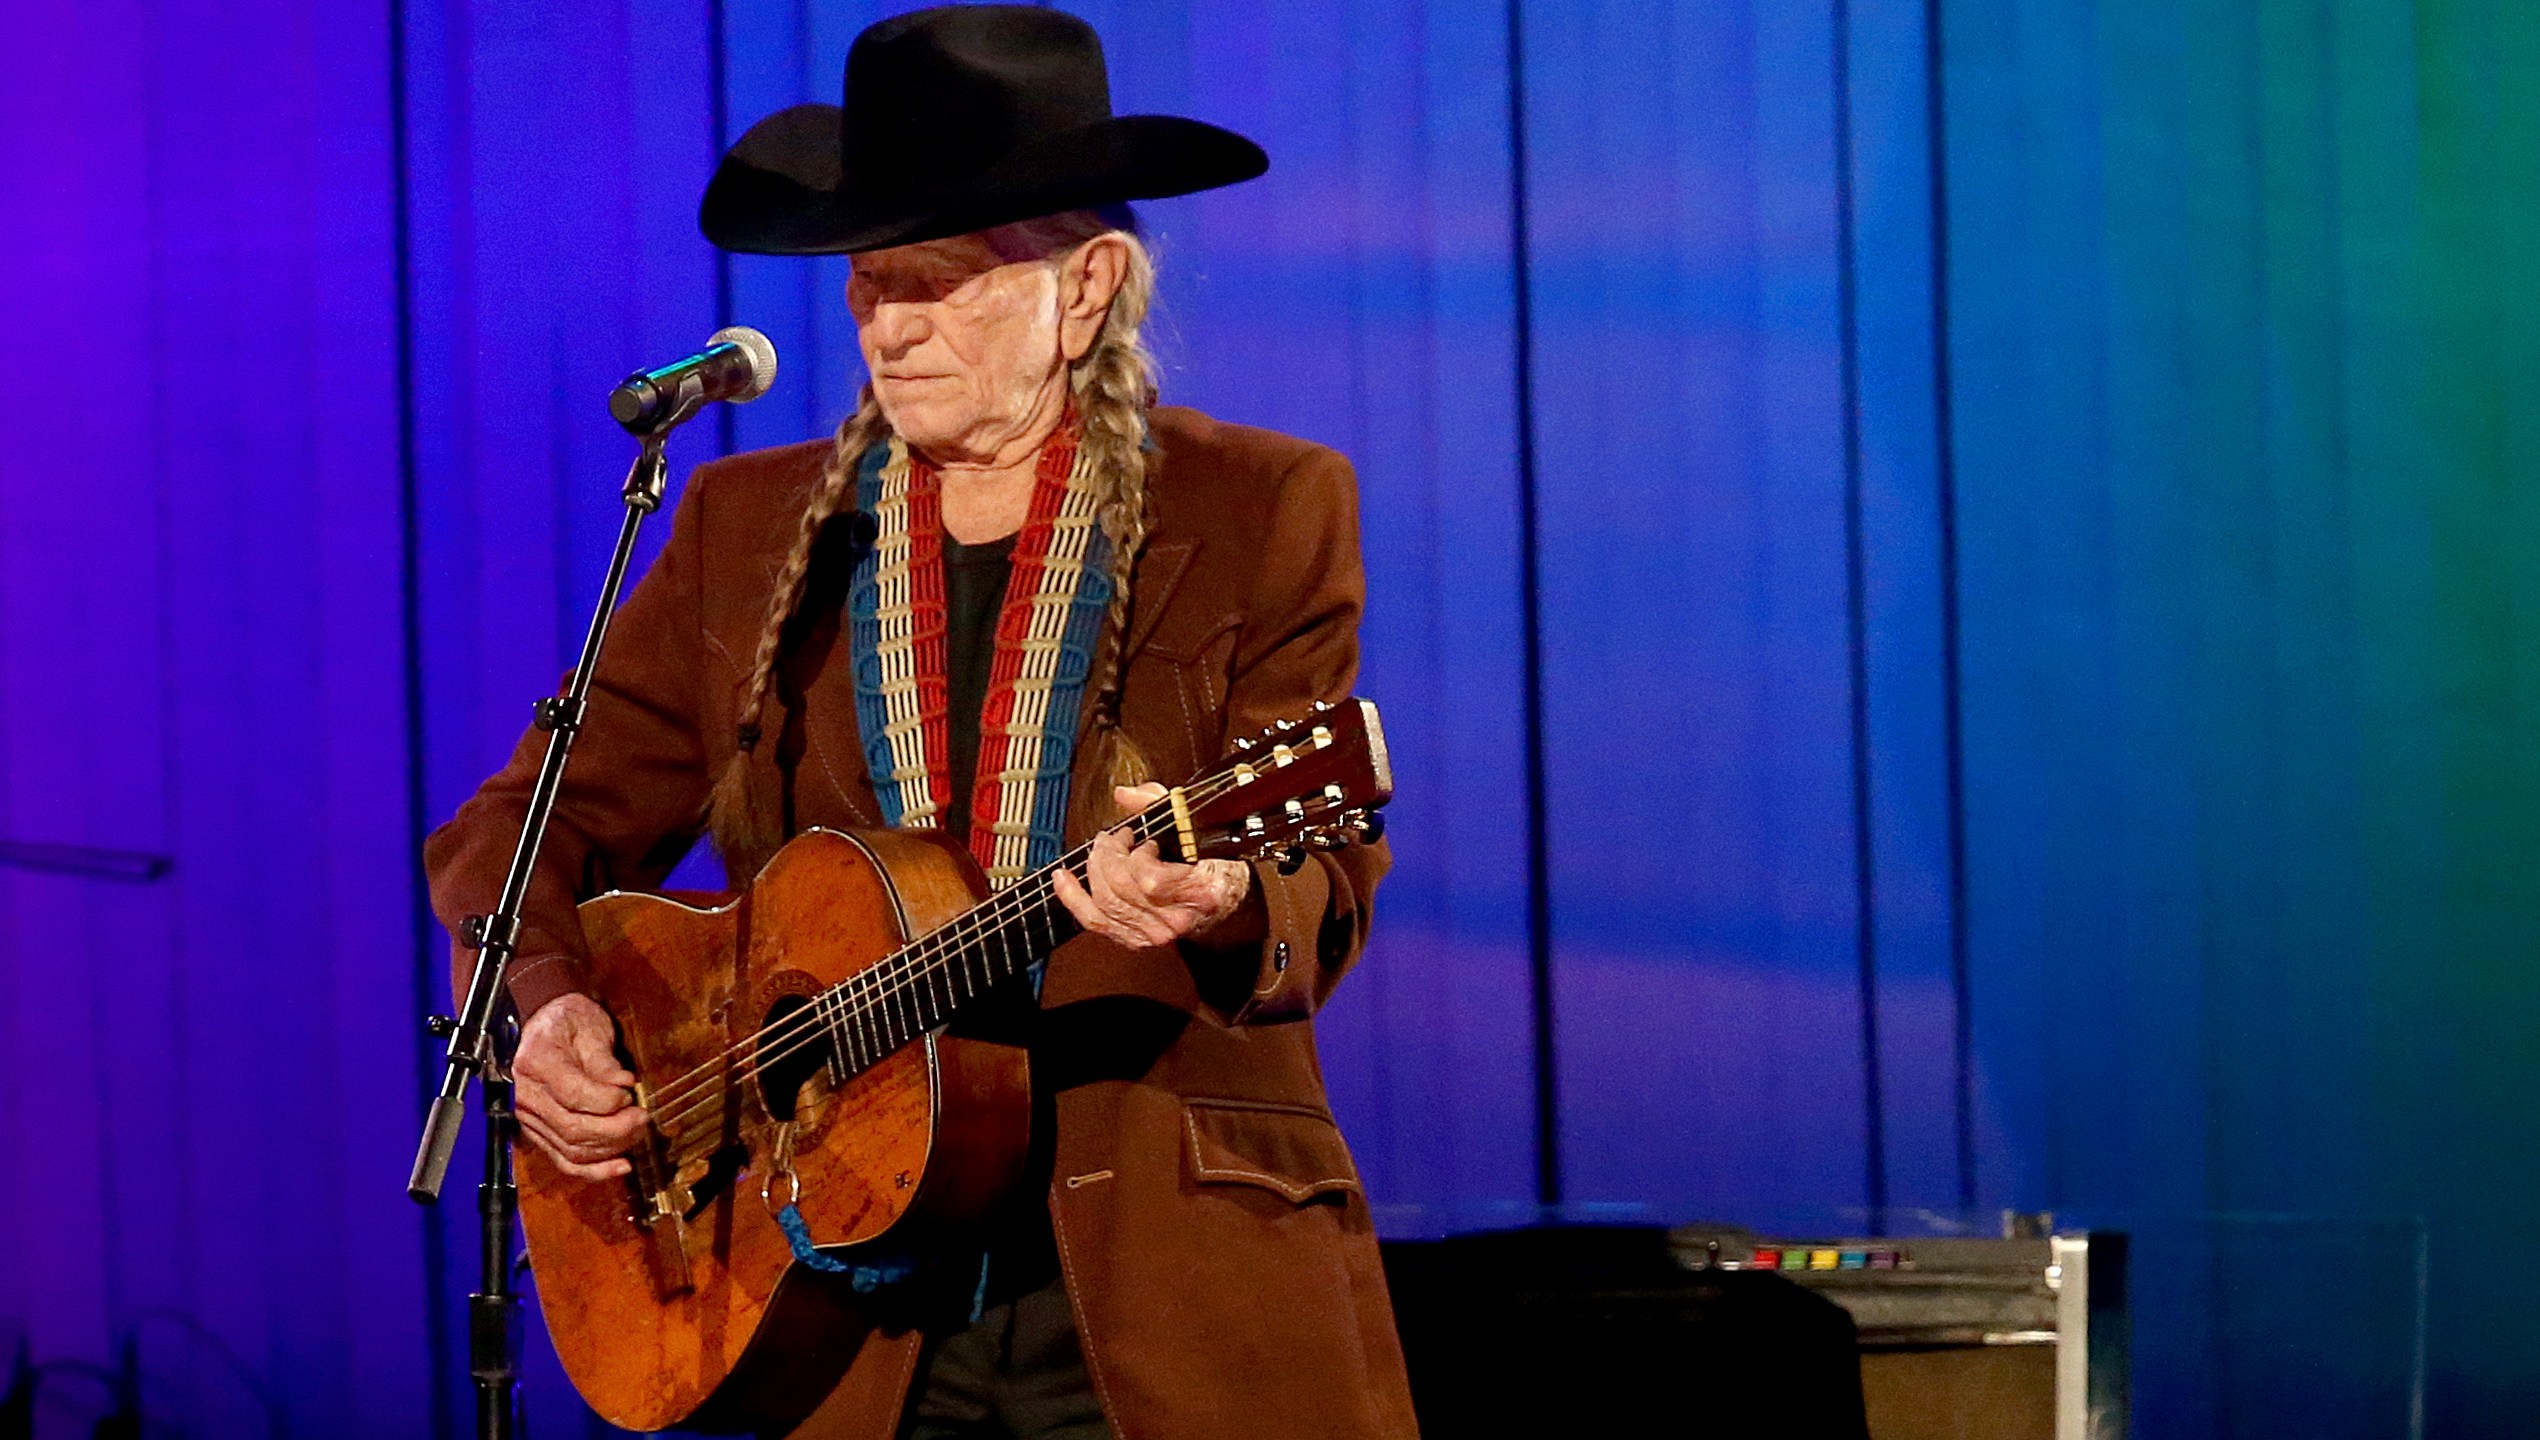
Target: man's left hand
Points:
x,y
1137,897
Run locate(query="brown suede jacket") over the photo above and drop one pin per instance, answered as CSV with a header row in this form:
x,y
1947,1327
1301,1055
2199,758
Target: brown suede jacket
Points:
x,y
1214,1235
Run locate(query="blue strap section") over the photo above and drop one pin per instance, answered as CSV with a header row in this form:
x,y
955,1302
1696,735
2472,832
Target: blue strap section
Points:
x,y
864,642
1055,765
865,1279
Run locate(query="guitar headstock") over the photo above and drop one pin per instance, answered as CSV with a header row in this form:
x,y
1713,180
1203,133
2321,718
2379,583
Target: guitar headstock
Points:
x,y
1315,783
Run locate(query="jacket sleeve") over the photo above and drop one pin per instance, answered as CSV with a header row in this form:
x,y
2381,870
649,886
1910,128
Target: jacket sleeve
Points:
x,y
632,797
1298,645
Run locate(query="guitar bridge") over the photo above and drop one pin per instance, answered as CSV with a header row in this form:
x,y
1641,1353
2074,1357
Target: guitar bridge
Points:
x,y
658,1207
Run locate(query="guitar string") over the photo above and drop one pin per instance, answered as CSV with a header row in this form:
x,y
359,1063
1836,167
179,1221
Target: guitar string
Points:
x,y
860,996
864,1027
870,1042
868,985
873,992
702,1115
899,972
869,994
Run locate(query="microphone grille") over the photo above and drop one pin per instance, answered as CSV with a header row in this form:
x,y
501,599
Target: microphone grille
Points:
x,y
762,353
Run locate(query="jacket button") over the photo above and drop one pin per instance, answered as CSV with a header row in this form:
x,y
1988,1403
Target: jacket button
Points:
x,y
1279,958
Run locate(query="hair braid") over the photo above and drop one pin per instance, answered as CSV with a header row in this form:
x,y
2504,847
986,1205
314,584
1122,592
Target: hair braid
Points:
x,y
745,843
1115,385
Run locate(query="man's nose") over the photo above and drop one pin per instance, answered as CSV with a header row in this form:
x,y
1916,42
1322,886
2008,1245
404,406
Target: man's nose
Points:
x,y
898,327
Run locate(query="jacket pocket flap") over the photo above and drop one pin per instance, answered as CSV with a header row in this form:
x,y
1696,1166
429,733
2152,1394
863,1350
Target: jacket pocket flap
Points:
x,y
1184,643
1291,1150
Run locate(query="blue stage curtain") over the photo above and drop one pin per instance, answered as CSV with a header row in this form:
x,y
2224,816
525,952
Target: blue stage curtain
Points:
x,y
2115,525
207,1084
1716,813
1360,295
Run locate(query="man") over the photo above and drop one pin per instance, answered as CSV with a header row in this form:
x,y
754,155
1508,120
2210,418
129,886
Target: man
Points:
x,y
1048,566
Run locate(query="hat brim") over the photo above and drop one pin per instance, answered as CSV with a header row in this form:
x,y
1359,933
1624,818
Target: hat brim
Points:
x,y
780,190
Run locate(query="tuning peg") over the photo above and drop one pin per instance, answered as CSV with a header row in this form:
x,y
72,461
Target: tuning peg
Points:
x,y
1327,839
1322,705
1291,860
1370,826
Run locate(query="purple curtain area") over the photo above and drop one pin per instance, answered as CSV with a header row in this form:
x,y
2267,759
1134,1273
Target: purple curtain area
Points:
x,y
208,1091
556,156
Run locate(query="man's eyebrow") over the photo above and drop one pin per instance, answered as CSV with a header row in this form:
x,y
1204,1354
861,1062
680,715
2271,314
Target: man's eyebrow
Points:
x,y
935,266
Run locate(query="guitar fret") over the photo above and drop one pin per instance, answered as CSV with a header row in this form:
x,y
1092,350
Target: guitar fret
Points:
x,y
824,1008
860,1027
1010,955
932,987
868,1024
1041,926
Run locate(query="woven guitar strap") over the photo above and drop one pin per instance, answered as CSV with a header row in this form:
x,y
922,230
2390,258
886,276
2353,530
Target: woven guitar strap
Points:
x,y
1057,592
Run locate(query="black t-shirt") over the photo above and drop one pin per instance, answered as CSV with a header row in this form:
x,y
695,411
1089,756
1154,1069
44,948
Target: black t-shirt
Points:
x,y
974,595
975,576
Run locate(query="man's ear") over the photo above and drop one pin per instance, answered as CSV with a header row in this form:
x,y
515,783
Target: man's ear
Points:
x,y
1088,281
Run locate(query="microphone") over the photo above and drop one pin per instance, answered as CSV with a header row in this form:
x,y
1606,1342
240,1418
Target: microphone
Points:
x,y
738,364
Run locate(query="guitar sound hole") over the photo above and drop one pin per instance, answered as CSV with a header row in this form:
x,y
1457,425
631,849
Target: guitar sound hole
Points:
x,y
791,1057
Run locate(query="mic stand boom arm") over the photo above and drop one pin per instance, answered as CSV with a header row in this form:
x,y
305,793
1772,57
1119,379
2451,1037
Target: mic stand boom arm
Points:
x,y
495,938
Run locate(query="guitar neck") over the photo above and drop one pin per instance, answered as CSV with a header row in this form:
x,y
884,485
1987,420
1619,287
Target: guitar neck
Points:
x,y
917,987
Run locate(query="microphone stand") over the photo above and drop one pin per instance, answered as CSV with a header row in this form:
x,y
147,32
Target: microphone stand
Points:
x,y
480,1034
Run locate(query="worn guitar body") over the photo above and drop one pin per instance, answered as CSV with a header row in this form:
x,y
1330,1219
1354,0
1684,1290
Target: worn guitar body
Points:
x,y
805,1043
673,1297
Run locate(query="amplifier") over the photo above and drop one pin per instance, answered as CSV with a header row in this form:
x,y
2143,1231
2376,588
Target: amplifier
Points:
x,y
2020,1338
1594,1330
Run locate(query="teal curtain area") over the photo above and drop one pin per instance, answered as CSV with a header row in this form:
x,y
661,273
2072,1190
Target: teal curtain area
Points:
x,y
2243,342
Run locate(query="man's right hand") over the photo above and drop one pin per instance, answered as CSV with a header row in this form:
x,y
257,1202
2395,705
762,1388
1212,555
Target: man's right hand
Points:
x,y
575,1101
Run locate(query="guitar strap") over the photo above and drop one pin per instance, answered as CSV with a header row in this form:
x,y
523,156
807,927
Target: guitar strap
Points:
x,y
1058,590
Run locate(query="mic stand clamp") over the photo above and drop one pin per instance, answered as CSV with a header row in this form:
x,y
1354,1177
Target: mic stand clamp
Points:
x,y
480,1035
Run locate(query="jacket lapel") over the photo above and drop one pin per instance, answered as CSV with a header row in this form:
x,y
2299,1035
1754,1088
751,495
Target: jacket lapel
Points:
x,y
1160,572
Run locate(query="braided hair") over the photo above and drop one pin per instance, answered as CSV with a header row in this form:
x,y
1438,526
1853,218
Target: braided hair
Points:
x,y
1111,388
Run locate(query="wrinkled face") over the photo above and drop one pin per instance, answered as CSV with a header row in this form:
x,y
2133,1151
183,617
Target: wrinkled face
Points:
x,y
964,344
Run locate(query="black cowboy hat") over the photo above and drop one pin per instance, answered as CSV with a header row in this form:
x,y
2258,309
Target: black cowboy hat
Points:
x,y
957,119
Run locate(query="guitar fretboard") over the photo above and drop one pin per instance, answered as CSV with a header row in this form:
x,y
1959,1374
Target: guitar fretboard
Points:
x,y
917,987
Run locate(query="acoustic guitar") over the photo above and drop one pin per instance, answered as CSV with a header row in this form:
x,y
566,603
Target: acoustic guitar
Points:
x,y
797,1051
